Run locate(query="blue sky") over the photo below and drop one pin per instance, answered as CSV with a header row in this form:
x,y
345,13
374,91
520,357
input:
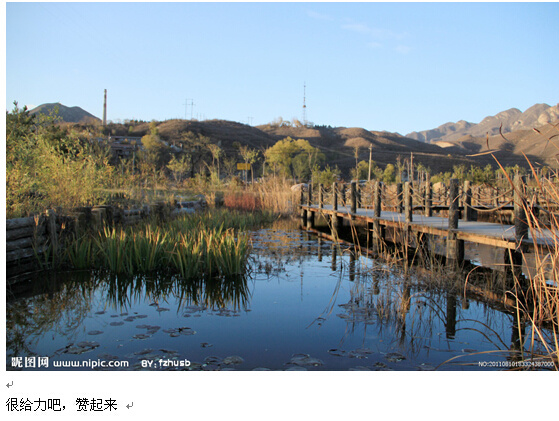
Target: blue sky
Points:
x,y
382,66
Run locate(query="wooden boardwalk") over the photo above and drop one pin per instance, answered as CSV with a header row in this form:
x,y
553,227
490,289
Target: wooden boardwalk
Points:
x,y
418,230
493,234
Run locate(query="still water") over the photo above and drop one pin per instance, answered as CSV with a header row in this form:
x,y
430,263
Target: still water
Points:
x,y
305,304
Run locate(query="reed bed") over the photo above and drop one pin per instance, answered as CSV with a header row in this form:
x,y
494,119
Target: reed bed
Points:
x,y
537,291
193,246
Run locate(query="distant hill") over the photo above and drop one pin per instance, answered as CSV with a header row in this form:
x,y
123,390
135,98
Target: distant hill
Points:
x,y
67,114
337,143
511,120
541,146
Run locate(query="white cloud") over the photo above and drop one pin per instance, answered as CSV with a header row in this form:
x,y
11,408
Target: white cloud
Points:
x,y
377,33
374,44
358,27
402,49
319,16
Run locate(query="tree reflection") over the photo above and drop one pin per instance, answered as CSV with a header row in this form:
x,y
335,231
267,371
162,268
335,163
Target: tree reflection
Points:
x,y
58,304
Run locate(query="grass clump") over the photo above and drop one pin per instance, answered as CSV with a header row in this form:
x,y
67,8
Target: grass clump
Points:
x,y
194,246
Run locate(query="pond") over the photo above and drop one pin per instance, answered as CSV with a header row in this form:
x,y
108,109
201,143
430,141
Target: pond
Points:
x,y
305,304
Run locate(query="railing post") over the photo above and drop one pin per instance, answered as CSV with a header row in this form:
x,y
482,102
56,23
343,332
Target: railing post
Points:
x,y
453,211
321,196
336,220
467,201
520,221
303,211
358,195
496,198
378,229
428,199
408,201
310,213
454,247
353,198
334,196
377,200
520,206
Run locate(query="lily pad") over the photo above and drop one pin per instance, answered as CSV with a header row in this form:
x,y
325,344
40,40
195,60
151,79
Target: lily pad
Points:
x,y
88,344
116,323
337,352
141,336
160,309
360,368
100,312
305,360
233,359
186,331
170,330
394,357
94,332
213,360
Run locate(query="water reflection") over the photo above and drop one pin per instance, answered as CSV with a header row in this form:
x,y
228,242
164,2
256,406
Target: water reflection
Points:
x,y
305,303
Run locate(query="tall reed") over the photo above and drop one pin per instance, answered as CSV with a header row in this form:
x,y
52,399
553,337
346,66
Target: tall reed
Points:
x,y
192,246
537,296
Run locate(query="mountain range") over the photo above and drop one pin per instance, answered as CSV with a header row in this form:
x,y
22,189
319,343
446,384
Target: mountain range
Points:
x,y
440,149
511,120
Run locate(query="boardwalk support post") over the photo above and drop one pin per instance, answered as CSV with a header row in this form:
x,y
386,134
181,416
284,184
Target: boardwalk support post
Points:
x,y
303,211
353,198
321,196
408,201
467,200
378,229
520,220
454,247
399,198
310,214
428,199
336,221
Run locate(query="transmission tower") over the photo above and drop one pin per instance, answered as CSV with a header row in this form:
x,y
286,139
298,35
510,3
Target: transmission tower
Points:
x,y
305,104
105,109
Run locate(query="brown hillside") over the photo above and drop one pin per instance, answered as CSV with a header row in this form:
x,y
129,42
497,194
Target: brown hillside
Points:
x,y
338,144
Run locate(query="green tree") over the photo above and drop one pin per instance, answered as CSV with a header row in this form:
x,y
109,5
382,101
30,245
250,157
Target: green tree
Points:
x,y
195,146
293,158
47,166
216,152
389,175
250,156
327,176
179,167
361,172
